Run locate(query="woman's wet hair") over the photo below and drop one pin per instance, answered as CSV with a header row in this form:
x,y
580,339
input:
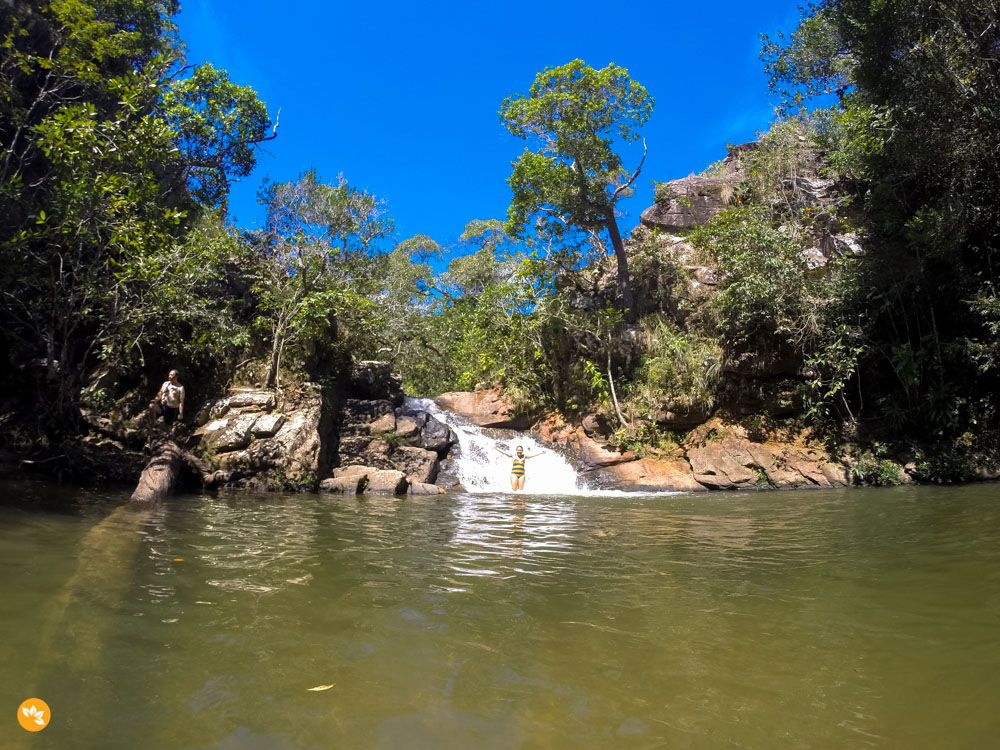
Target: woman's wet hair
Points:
x,y
519,448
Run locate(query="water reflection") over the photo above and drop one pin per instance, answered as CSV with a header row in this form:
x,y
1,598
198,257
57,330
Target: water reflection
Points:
x,y
798,619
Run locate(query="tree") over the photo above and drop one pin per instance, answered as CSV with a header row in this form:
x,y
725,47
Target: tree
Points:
x,y
917,126
317,253
93,195
218,125
575,178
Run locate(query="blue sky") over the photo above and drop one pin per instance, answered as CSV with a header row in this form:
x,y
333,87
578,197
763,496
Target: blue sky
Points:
x,y
402,98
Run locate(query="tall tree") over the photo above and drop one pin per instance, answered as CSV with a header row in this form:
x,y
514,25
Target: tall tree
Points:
x,y
317,254
575,178
93,187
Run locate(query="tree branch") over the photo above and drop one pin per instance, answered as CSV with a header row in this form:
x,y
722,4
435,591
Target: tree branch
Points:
x,y
635,174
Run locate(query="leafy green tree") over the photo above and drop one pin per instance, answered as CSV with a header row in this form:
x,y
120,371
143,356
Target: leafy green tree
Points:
x,y
93,196
217,126
317,256
575,178
918,128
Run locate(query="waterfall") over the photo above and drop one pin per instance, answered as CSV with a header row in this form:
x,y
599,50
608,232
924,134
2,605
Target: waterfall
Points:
x,y
482,468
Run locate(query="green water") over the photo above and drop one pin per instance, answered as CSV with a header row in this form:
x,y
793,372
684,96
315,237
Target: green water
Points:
x,y
866,618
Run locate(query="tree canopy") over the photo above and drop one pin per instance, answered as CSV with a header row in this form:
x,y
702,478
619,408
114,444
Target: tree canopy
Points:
x,y
575,178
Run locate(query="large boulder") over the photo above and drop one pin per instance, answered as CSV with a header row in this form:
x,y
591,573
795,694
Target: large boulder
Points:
x,y
254,446
485,408
387,482
652,473
436,436
368,479
418,464
687,203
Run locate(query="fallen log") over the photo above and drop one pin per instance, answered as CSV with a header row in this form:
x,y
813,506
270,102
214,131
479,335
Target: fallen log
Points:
x,y
159,478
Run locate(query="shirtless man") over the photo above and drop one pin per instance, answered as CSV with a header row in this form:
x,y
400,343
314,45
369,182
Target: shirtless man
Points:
x,y
169,400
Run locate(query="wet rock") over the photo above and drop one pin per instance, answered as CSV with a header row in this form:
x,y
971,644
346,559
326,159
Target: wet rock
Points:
x,y
485,409
420,488
418,464
447,481
437,436
347,485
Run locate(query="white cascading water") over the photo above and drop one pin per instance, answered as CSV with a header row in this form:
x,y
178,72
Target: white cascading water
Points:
x,y
482,468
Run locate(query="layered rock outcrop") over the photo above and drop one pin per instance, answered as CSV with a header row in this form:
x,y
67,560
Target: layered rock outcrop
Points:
x,y
688,202
716,456
361,440
255,441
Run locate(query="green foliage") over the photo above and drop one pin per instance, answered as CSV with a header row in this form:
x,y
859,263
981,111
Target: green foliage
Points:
x,y
644,437
216,126
576,178
317,265
94,209
679,372
874,469
785,153
917,128
763,309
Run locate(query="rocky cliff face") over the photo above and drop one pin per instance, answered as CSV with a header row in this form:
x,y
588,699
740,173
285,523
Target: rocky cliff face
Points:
x,y
360,440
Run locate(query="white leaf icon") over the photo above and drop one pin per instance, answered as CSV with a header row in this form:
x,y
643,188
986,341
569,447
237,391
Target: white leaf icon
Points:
x,y
40,721
25,711
39,715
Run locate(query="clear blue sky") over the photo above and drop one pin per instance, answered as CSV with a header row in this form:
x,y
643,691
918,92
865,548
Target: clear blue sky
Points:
x,y
402,98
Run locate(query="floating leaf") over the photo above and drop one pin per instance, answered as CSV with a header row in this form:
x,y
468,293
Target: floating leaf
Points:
x,y
320,687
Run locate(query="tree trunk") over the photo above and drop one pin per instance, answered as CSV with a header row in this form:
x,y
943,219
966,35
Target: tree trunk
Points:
x,y
624,280
272,373
160,475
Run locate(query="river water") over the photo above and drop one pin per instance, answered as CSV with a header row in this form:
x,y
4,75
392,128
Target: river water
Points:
x,y
823,619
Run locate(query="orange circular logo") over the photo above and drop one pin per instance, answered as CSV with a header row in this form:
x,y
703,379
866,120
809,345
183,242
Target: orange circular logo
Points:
x,y
33,715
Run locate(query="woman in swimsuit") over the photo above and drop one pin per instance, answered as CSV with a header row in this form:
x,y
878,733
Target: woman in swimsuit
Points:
x,y
517,468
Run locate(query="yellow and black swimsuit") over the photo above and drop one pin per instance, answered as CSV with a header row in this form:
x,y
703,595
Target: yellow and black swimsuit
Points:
x,y
517,468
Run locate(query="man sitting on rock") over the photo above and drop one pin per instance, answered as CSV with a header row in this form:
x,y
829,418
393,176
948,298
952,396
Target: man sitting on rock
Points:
x,y
169,400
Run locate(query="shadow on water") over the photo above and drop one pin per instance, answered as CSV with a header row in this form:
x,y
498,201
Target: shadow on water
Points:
x,y
75,630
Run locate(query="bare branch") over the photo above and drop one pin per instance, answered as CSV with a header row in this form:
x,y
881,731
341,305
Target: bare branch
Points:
x,y
635,174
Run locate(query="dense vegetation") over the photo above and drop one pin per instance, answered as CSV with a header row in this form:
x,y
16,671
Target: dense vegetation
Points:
x,y
115,263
